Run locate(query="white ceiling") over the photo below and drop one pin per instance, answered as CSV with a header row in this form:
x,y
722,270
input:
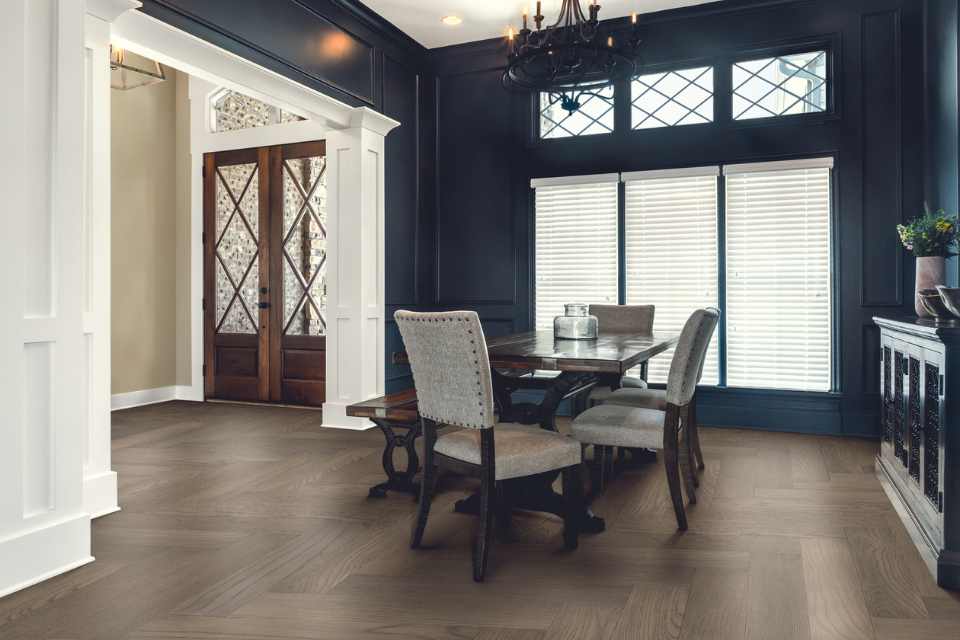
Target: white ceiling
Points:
x,y
483,19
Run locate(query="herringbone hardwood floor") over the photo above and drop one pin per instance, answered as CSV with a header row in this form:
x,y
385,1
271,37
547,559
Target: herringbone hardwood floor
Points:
x,y
252,523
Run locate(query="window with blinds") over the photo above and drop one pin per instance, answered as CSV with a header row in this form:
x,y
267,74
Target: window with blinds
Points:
x,y
671,252
778,284
576,243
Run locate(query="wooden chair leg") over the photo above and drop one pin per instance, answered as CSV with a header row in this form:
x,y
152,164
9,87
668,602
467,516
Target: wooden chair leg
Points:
x,y
573,499
488,496
599,469
695,434
503,512
427,484
686,449
685,459
671,462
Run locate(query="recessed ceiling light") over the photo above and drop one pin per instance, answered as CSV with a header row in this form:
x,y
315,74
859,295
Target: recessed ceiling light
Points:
x,y
451,21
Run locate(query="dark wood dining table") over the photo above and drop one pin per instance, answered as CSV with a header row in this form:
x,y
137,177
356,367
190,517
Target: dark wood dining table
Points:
x,y
562,369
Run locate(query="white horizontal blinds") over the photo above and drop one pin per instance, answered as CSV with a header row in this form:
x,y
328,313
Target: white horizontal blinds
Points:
x,y
671,252
778,276
576,243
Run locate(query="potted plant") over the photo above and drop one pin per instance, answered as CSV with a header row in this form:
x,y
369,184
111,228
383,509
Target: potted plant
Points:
x,y
931,238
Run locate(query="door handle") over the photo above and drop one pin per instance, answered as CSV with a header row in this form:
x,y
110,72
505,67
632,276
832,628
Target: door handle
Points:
x,y
264,305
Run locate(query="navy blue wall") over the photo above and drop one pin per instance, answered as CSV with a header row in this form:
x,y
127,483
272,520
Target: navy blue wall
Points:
x,y
459,218
943,135
486,154
372,64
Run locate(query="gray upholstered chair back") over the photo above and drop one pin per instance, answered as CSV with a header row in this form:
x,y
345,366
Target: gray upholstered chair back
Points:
x,y
451,368
688,358
624,318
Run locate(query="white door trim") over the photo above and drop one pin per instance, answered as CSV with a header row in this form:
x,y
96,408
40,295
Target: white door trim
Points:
x,y
354,294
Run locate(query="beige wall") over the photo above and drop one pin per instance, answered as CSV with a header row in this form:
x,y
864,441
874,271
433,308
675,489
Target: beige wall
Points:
x,y
145,202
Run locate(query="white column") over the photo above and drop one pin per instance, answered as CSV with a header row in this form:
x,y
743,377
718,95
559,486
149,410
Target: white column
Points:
x,y
355,266
99,480
44,525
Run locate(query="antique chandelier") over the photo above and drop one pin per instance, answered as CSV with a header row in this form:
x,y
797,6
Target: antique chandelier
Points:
x,y
575,57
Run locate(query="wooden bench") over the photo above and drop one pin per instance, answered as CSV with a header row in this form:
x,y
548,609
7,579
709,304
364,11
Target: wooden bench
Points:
x,y
396,415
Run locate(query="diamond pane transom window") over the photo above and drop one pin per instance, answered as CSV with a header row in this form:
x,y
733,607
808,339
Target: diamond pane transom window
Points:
x,y
785,85
673,98
305,246
233,111
594,116
237,251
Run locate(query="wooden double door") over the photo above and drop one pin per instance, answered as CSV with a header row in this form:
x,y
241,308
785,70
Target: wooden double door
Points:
x,y
265,258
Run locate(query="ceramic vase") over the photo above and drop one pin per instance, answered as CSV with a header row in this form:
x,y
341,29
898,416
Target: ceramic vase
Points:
x,y
931,271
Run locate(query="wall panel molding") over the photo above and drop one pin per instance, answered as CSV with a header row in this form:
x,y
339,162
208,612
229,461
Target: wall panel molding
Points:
x,y
881,109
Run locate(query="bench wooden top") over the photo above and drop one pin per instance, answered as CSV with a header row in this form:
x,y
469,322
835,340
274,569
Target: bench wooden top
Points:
x,y
395,407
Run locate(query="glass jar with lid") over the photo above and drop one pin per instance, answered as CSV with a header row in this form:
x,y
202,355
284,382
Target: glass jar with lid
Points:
x,y
576,323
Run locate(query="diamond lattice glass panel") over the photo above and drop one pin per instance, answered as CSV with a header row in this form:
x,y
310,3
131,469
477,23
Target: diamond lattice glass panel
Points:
x,y
236,250
304,246
231,316
594,116
781,86
237,183
233,111
673,98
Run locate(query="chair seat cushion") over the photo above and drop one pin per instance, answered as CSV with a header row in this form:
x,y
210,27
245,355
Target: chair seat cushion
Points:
x,y
602,394
520,450
640,398
620,426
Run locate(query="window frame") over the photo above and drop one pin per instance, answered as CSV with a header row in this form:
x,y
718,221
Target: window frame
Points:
x,y
668,67
834,249
829,45
722,95
536,120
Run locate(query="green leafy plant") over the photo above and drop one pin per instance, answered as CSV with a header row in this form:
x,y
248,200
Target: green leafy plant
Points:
x,y
932,234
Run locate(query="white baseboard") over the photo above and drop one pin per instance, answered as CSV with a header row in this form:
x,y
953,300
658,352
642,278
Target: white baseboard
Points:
x,y
153,396
100,494
38,554
335,417
143,397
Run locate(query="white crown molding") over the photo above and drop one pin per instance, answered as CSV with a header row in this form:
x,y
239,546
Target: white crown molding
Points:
x,y
367,118
110,10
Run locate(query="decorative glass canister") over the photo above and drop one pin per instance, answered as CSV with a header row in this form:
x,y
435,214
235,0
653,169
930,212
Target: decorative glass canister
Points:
x,y
575,324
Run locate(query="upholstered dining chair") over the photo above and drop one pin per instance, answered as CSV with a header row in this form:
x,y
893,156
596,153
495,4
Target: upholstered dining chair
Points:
x,y
613,425
623,318
451,373
657,399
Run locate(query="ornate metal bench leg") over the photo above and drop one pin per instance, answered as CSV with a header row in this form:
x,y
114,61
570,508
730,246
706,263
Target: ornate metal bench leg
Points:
x,y
398,480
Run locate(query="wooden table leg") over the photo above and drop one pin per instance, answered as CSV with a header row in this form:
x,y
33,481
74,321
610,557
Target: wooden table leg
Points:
x,y
398,480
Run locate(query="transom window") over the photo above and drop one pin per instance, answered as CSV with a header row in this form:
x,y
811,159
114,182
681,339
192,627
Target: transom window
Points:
x,y
595,115
762,254
232,111
780,86
673,98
